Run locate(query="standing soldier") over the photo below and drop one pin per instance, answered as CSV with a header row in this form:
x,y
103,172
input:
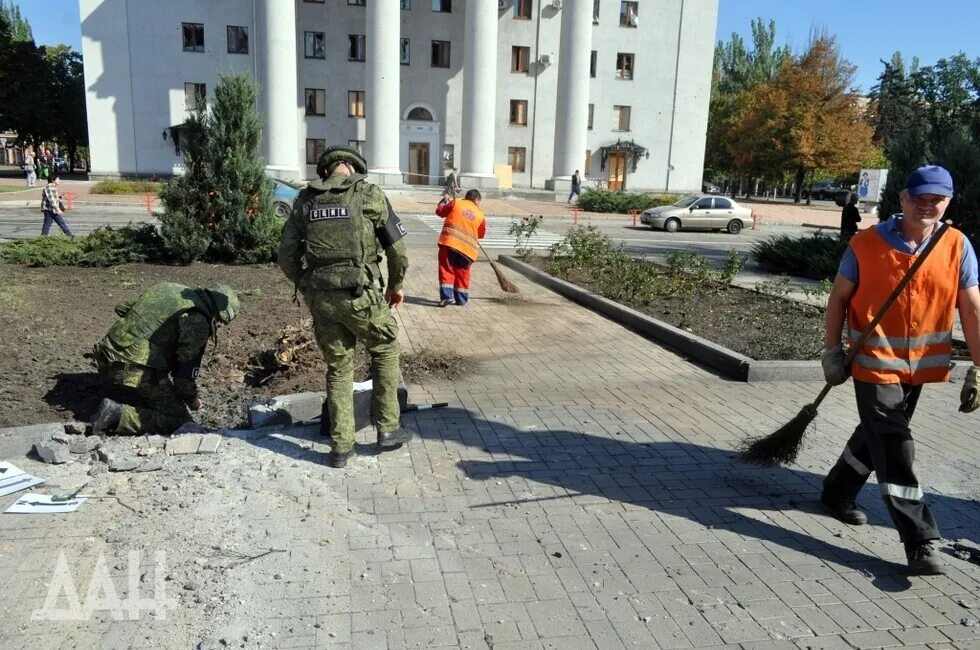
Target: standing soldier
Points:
x,y
161,334
331,250
911,346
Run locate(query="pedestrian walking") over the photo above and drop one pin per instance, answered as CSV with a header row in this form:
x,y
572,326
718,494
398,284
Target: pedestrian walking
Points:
x,y
576,187
331,246
462,229
150,358
53,207
850,216
452,187
29,166
910,346
45,165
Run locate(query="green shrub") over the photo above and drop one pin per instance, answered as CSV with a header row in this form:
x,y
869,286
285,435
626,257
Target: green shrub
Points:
x,y
815,256
103,247
126,187
623,202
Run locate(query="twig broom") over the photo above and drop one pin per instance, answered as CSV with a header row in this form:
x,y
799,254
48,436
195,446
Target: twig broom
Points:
x,y
783,445
505,284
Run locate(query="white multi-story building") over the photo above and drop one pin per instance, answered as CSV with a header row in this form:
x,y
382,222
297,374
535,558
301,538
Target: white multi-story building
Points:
x,y
521,91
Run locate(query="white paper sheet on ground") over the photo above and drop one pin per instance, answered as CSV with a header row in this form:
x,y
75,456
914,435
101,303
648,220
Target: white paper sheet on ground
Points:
x,y
34,504
363,385
13,479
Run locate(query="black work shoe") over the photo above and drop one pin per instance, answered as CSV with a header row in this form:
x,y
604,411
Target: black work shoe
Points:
x,y
338,459
393,438
923,559
106,417
847,512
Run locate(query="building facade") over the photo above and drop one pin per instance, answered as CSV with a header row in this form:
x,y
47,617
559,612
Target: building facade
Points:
x,y
508,91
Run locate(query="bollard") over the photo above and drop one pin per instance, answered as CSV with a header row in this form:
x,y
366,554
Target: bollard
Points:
x,y
634,213
148,199
752,214
575,212
69,199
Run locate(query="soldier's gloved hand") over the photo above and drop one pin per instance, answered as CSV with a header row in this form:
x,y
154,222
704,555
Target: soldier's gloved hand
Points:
x,y
196,404
395,298
970,396
834,370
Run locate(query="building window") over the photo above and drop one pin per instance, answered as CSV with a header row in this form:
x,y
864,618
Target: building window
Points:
x,y
516,157
621,118
314,147
440,54
591,115
237,40
407,4
448,156
356,145
194,95
592,63
356,47
193,37
405,53
316,101
319,2
595,12
518,112
315,45
442,6
627,14
624,66
419,114
523,9
355,103
587,167
519,58
359,3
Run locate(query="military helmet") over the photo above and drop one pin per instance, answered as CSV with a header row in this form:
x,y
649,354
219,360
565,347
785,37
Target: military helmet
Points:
x,y
338,154
226,301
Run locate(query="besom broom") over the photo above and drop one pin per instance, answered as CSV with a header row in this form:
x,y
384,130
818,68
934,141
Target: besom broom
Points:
x,y
783,445
505,284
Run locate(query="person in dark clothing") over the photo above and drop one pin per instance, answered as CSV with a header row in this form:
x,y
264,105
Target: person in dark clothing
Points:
x,y
849,218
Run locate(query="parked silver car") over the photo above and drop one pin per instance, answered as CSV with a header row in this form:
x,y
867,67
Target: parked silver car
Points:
x,y
697,211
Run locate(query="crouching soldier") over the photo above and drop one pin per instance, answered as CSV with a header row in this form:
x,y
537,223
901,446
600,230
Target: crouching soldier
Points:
x,y
150,358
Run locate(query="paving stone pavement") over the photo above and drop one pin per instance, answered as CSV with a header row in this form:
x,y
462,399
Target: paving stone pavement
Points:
x,y
580,491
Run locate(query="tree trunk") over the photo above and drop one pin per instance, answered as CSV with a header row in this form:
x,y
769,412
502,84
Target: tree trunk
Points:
x,y
72,148
800,176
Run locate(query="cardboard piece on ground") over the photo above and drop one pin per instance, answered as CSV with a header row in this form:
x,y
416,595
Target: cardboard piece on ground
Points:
x,y
13,479
35,504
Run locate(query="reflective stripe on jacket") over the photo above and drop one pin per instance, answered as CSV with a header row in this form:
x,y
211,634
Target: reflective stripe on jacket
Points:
x,y
913,342
464,227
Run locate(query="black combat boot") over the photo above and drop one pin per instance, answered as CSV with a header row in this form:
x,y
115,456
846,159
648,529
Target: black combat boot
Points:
x,y
846,511
106,418
923,559
394,438
338,459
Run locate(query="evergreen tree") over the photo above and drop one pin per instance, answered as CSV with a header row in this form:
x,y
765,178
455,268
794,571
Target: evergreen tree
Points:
x,y
221,208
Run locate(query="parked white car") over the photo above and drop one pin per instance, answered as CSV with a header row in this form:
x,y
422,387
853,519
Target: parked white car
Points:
x,y
697,211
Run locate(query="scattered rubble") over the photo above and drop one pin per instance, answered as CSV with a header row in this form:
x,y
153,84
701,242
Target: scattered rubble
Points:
x,y
53,452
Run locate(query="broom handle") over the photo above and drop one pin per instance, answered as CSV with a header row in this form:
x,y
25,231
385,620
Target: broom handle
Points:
x,y
853,352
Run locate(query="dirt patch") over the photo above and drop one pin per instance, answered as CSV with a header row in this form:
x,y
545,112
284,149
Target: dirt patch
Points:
x,y
52,317
436,364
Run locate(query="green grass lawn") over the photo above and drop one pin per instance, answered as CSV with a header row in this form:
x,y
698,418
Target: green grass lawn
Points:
x,y
12,188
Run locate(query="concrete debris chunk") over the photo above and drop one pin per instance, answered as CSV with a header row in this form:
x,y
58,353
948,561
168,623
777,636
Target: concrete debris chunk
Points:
x,y
188,443
75,428
83,444
209,444
189,427
19,441
53,452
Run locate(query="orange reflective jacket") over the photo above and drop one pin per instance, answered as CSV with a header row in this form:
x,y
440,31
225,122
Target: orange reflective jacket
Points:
x,y
463,228
913,342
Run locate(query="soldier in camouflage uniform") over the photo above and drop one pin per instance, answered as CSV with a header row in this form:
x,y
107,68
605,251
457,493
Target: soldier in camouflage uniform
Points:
x,y
331,250
161,334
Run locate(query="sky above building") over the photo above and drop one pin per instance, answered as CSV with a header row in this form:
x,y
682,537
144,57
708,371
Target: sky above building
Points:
x,y
866,31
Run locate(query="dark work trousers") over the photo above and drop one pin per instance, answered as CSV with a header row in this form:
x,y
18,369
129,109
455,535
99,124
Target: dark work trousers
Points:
x,y
882,443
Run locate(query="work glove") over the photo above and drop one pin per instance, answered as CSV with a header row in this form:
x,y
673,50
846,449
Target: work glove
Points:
x,y
969,396
834,370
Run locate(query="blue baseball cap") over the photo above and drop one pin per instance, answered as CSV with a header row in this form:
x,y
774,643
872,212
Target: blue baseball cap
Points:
x,y
931,179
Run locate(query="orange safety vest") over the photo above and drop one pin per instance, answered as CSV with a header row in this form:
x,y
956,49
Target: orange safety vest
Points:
x,y
913,342
463,228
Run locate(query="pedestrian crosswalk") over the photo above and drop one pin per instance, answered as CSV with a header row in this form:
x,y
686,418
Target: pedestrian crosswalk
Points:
x,y
497,232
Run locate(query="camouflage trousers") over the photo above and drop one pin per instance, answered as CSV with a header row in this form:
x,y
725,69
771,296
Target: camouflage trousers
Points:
x,y
150,403
339,321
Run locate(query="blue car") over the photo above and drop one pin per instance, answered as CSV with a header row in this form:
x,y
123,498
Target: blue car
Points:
x,y
283,194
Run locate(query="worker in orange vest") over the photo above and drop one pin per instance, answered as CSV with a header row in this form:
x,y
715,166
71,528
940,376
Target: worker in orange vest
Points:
x,y
458,243
911,346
